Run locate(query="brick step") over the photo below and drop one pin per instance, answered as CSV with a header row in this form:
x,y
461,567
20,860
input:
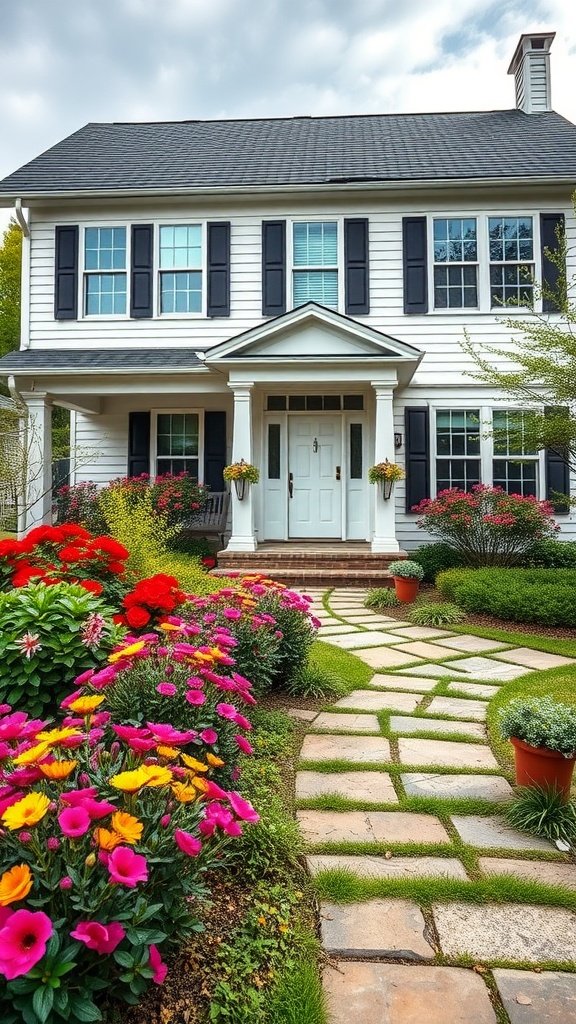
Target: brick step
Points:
x,y
315,576
253,561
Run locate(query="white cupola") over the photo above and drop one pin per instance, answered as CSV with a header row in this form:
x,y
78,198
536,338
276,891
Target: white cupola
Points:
x,y
530,66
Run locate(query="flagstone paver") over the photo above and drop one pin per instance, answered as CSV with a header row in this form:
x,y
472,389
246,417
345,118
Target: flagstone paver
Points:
x,y
458,707
494,832
472,644
384,657
457,787
327,721
474,689
378,700
535,659
506,931
420,632
404,724
335,630
445,753
301,715
356,749
403,682
544,998
369,638
371,827
381,993
532,870
435,671
486,668
378,928
381,867
423,649
369,787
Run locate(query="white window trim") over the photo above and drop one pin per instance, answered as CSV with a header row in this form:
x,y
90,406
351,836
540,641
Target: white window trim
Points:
x,y
483,264
452,263
154,413
157,298
83,273
316,219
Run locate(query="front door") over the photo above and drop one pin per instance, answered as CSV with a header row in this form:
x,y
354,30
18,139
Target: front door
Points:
x,y
314,465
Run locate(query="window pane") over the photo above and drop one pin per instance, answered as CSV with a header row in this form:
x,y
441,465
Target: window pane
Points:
x,y
315,244
181,293
355,451
319,286
331,402
516,477
458,432
314,403
297,403
105,248
455,287
353,402
276,403
105,294
273,451
189,466
181,247
455,240
508,430
462,473
177,435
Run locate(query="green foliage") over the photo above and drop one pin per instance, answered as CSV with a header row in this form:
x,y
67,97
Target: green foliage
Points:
x,y
406,570
313,682
540,722
435,613
552,554
52,621
10,277
381,597
298,635
543,812
299,997
435,558
546,596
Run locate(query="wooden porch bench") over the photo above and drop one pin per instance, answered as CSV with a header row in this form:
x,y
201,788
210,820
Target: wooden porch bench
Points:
x,y
210,520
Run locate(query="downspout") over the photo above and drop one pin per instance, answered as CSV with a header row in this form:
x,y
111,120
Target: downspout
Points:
x,y
22,411
19,214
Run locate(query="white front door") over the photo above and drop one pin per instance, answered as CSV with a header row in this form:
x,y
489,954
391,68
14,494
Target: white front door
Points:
x,y
314,467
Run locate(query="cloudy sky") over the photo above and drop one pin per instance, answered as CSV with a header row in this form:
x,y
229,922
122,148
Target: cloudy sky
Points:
x,y
66,62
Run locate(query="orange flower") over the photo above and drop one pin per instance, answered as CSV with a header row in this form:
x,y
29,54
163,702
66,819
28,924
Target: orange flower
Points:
x,y
155,774
15,884
170,752
200,784
215,762
107,840
183,793
27,812
86,705
127,652
56,736
33,754
196,766
58,770
127,826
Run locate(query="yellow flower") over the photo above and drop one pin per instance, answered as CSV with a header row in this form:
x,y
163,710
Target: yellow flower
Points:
x,y
183,793
196,766
33,755
58,770
169,627
200,784
215,762
201,656
130,782
15,884
127,826
27,812
127,652
170,752
107,840
156,774
55,736
86,705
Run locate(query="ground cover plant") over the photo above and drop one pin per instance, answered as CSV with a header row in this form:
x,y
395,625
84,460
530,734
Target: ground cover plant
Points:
x,y
545,596
543,812
435,613
382,597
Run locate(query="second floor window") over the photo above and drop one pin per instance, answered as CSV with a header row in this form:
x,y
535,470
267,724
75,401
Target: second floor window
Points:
x,y
315,263
181,268
455,263
511,241
105,271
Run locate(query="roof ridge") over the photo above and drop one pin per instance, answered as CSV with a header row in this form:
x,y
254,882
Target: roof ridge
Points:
x,y
309,117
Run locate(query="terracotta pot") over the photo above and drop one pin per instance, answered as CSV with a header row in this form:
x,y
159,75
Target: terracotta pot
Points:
x,y
406,589
538,766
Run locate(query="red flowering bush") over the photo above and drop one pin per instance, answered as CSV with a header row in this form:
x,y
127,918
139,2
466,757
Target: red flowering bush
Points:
x,y
79,503
150,601
487,525
70,553
102,851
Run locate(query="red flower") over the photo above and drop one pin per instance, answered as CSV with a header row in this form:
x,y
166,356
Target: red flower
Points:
x,y
111,547
25,574
116,567
137,617
92,586
70,553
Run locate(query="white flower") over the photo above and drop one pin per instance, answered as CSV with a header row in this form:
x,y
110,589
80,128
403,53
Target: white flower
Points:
x,y
29,644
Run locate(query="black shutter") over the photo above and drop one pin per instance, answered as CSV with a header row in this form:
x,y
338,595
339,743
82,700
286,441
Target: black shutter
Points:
x,y
66,273
417,431
557,470
415,254
141,271
138,443
214,449
219,269
550,224
273,267
357,278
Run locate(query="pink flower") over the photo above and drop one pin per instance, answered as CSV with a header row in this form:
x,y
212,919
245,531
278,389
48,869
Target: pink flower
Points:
x,y
78,796
187,843
126,867
242,722
100,937
97,808
165,820
232,613
156,963
166,689
93,629
243,744
227,711
243,808
23,939
53,844
65,883
167,734
74,821
25,837
195,697
29,644
103,677
209,736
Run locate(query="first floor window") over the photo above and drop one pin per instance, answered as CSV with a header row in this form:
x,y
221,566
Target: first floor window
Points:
x,y
455,263
511,242
178,443
457,448
105,276
515,465
181,268
315,263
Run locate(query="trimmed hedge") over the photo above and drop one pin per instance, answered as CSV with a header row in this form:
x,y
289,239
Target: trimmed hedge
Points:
x,y
435,558
545,596
551,554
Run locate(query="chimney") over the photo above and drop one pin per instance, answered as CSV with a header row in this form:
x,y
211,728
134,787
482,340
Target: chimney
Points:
x,y
530,66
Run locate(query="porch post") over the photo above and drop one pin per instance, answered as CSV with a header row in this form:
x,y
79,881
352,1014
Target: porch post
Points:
x,y
242,538
384,538
37,447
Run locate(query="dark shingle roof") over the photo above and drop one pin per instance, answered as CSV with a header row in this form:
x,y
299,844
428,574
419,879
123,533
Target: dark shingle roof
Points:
x,y
302,150
57,359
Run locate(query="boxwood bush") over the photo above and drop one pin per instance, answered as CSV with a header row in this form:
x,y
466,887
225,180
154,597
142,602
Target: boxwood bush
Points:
x,y
435,558
551,554
544,596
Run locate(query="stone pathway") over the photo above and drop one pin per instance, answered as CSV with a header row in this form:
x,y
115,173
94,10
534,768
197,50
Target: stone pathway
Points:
x,y
417,731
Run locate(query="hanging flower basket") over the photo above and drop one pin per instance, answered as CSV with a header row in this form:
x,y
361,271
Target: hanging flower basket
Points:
x,y
386,474
241,474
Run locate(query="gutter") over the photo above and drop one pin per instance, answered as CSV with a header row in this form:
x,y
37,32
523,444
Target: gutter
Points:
x,y
19,214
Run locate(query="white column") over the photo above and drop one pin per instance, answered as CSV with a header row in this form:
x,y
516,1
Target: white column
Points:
x,y
384,538
37,438
242,538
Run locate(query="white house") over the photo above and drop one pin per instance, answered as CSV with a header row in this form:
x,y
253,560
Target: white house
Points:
x,y
293,292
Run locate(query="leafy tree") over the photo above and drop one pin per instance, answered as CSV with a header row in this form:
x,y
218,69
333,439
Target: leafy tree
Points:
x,y
10,276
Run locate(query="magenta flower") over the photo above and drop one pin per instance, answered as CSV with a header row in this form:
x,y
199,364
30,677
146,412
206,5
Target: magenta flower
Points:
x,y
243,745
166,689
126,867
53,844
23,939
156,963
196,682
65,883
243,722
209,736
227,711
187,843
25,837
102,678
103,938
78,796
74,821
195,697
243,808
232,613
167,734
97,808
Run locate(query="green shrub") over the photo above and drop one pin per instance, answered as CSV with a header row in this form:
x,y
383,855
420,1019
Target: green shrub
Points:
x,y
434,613
540,722
552,554
545,596
298,634
543,812
382,597
314,683
435,558
48,636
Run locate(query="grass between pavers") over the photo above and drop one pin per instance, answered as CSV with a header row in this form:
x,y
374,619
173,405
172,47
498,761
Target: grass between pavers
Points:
x,y
537,642
415,804
392,767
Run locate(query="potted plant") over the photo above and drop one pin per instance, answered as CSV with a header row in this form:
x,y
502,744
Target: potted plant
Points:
x,y
241,473
386,474
406,576
543,733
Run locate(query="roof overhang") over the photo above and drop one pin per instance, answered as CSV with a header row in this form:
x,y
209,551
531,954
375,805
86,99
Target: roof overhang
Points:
x,y
77,362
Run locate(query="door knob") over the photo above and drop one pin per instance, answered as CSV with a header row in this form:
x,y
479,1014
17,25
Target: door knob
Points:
x,y
290,485
337,472
315,445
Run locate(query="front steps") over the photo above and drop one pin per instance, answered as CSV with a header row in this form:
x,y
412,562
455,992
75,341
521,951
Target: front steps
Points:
x,y
313,564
